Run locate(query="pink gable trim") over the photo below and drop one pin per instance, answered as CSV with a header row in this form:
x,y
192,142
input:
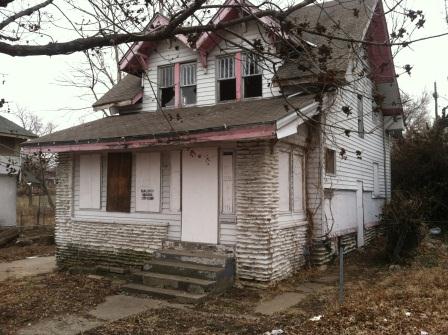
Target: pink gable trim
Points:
x,y
381,58
131,62
209,40
258,132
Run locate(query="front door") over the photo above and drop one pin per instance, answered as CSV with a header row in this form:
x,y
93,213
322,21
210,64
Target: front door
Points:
x,y
360,213
200,195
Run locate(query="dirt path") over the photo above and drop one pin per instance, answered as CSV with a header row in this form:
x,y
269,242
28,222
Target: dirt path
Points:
x,y
27,267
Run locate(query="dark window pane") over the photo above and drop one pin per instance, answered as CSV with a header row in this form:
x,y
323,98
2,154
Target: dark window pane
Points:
x,y
253,86
119,169
188,95
330,161
227,89
167,96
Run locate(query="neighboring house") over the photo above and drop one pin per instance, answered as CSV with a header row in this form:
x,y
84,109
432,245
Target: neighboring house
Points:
x,y
209,150
11,135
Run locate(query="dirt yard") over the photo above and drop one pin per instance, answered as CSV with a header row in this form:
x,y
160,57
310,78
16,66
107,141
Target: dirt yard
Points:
x,y
15,252
31,299
380,299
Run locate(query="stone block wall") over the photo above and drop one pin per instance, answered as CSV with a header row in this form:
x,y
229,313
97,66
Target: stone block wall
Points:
x,y
266,251
256,208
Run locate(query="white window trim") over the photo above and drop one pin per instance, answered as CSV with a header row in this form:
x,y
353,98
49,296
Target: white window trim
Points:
x,y
335,163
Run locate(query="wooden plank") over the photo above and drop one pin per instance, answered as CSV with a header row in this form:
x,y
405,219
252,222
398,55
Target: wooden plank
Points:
x,y
297,173
147,188
175,181
119,173
284,181
227,183
90,181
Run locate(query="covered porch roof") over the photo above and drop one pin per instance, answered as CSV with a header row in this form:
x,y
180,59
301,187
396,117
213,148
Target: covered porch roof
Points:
x,y
252,119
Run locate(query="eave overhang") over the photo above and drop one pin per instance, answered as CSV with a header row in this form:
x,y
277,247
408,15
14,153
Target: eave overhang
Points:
x,y
248,132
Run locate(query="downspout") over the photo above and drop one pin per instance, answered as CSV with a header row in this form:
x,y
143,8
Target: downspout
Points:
x,y
385,159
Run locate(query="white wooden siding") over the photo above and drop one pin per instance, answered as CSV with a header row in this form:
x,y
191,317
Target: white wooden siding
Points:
x,y
352,169
90,181
147,179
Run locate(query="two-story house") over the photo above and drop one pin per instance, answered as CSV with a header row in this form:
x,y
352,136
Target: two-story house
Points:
x,y
11,135
216,149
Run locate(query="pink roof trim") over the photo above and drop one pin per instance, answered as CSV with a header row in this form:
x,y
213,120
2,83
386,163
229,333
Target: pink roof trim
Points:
x,y
257,132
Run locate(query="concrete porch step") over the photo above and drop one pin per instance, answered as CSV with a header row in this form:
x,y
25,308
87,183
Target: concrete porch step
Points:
x,y
201,257
167,281
179,296
170,267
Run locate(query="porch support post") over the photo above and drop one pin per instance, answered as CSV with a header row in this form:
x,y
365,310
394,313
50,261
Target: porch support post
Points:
x,y
256,207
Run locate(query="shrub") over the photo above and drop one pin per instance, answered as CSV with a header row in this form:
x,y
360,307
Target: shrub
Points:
x,y
405,228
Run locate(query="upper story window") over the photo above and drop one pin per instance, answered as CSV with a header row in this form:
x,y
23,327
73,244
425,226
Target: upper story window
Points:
x,y
330,161
188,83
226,78
360,116
252,76
166,86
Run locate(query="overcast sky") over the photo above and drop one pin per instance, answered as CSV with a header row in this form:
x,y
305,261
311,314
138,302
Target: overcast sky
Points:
x,y
31,82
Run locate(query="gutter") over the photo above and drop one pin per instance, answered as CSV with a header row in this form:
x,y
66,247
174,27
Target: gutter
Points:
x,y
246,133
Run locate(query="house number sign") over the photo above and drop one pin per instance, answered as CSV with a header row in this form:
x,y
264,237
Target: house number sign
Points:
x,y
147,193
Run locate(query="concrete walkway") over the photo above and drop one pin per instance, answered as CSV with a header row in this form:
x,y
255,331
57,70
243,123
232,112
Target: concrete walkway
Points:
x,y
286,300
114,308
27,267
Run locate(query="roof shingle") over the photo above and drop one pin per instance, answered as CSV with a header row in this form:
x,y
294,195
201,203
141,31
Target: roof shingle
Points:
x,y
126,89
9,128
178,121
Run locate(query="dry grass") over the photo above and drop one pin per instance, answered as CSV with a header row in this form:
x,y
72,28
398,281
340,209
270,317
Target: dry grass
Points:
x,y
378,301
15,252
32,299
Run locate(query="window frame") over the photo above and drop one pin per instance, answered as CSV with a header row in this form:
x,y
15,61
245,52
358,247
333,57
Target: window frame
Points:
x,y
334,172
258,73
360,110
289,184
225,152
376,191
160,87
183,85
219,78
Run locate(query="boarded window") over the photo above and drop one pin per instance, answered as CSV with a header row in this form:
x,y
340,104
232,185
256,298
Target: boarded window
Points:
x,y
252,78
166,86
284,172
188,83
175,181
90,182
147,182
376,180
330,162
360,116
297,173
226,78
119,172
227,181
